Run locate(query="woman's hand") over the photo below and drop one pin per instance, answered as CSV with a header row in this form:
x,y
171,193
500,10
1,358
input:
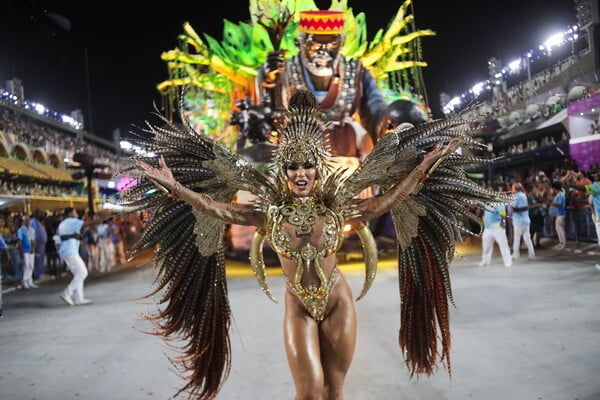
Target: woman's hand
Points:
x,y
438,152
161,175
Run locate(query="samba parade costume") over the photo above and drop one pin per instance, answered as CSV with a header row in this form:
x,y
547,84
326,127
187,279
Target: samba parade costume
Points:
x,y
301,205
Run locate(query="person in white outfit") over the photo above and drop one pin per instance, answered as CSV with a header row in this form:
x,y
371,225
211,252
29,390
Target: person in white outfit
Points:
x,y
493,231
70,230
26,235
521,222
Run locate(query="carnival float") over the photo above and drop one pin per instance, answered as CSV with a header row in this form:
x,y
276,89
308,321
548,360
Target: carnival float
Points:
x,y
215,81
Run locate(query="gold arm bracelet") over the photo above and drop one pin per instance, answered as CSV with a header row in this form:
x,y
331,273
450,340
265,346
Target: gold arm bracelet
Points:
x,y
203,202
416,176
422,175
176,191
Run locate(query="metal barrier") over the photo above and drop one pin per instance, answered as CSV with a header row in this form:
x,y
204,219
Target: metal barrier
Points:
x,y
579,226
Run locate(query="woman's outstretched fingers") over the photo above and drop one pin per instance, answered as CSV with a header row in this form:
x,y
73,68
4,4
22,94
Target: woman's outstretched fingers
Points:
x,y
451,147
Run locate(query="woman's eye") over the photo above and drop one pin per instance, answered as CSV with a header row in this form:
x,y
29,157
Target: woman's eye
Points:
x,y
293,167
308,165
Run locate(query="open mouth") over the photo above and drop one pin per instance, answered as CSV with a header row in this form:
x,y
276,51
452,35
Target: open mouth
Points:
x,y
301,184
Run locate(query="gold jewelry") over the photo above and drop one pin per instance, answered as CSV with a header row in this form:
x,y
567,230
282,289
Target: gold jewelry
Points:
x,y
159,185
302,213
203,202
176,191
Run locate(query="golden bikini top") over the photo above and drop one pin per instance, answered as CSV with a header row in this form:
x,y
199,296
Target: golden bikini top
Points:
x,y
297,222
292,230
303,214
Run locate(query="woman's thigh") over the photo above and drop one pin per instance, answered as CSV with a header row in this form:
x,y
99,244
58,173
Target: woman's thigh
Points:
x,y
337,333
301,338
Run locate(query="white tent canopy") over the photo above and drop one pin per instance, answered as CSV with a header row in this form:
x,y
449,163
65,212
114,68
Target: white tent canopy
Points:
x,y
557,118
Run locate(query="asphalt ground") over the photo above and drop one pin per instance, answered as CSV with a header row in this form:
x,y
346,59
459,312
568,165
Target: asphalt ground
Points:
x,y
531,332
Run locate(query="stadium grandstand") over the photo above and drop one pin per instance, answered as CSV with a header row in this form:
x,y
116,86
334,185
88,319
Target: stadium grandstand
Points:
x,y
37,151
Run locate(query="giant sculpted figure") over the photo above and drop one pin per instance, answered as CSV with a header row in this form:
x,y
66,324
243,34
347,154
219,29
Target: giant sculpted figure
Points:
x,y
344,88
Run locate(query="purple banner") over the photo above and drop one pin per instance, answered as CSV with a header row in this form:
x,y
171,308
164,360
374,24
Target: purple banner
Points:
x,y
584,105
586,151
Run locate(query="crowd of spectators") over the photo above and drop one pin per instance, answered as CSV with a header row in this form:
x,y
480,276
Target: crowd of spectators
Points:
x,y
18,127
116,234
10,187
496,112
542,190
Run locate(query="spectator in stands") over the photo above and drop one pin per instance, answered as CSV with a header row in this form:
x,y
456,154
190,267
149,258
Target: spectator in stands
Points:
x,y
41,237
591,189
578,198
4,229
537,212
521,223
5,255
558,211
494,222
90,240
105,246
118,240
53,263
69,231
26,236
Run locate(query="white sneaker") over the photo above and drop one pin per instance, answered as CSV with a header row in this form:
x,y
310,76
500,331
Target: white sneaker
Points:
x,y
482,264
66,298
598,267
83,302
33,286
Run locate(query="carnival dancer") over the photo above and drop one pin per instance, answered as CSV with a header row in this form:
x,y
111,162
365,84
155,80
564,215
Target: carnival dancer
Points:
x,y
301,208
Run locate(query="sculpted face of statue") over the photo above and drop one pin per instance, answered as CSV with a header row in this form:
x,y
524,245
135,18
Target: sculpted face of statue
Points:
x,y
320,53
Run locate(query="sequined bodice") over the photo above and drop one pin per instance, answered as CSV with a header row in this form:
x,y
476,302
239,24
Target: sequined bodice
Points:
x,y
306,231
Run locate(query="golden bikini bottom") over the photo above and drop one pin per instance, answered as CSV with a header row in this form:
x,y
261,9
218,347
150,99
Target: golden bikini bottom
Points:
x,y
314,297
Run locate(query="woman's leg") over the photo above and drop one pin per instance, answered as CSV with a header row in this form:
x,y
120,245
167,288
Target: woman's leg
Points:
x,y
338,340
301,338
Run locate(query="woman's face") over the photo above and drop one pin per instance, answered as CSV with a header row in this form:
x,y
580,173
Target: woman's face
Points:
x,y
301,178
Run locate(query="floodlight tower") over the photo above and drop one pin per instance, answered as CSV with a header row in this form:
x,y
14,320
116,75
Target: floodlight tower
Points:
x,y
89,169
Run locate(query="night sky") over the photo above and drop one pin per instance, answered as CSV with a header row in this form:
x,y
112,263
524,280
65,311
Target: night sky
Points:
x,y
124,42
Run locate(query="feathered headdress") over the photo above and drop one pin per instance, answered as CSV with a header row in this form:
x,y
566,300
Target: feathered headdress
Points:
x,y
303,134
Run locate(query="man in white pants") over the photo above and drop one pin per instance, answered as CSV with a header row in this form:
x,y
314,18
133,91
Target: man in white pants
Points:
x,y
493,231
26,235
70,230
521,222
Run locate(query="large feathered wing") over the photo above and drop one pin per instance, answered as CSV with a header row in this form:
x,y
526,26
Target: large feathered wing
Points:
x,y
195,315
428,224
